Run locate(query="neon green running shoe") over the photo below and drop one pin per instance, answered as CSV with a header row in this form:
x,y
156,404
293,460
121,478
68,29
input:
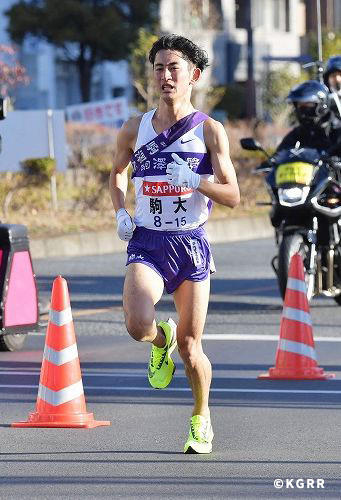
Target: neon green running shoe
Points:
x,y
161,366
200,435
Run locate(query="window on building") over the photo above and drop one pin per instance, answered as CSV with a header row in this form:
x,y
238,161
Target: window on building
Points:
x,y
246,8
241,14
203,14
277,4
300,20
67,84
117,91
193,15
281,15
287,15
258,8
215,15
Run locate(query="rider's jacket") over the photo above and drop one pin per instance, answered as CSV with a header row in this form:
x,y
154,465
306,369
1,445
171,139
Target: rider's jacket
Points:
x,y
313,137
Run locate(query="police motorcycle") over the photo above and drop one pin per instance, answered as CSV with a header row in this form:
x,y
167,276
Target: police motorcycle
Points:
x,y
304,184
19,303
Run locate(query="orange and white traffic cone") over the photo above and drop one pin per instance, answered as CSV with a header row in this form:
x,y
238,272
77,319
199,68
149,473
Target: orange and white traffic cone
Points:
x,y
60,401
296,356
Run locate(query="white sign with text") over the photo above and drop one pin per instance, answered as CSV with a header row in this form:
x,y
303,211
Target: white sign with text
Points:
x,y
109,113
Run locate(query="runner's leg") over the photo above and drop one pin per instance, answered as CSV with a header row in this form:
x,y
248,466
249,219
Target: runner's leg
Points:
x,y
143,288
191,300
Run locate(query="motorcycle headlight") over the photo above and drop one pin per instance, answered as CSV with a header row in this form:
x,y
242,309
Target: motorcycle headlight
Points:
x,y
293,196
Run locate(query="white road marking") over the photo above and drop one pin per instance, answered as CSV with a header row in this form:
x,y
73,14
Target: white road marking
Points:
x,y
241,336
184,389
84,372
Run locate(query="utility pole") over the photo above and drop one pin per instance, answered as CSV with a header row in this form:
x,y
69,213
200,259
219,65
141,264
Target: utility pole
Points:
x,y
319,29
53,181
250,86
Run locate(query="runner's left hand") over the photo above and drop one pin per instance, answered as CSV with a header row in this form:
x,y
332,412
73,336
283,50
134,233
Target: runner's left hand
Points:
x,y
125,225
179,173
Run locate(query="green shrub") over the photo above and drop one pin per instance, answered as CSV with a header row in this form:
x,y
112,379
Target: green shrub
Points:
x,y
40,170
100,165
233,101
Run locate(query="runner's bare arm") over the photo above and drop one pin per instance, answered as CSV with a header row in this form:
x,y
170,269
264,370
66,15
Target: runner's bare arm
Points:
x,y
125,143
226,190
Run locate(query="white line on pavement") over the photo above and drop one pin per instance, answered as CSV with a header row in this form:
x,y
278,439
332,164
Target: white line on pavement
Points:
x,y
241,336
85,373
184,389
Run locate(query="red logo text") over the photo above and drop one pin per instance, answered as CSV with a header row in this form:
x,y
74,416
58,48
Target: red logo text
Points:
x,y
162,188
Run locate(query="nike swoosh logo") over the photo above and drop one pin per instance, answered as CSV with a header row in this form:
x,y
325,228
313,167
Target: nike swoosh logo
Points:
x,y
187,140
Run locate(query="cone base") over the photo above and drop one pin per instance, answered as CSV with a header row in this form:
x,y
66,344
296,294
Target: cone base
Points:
x,y
77,421
60,425
310,374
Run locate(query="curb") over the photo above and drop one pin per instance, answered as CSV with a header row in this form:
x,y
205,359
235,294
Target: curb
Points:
x,y
102,242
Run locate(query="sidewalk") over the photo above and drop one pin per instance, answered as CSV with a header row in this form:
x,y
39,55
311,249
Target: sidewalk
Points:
x,y
92,243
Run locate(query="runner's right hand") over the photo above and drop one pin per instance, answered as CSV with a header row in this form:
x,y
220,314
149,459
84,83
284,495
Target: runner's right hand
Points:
x,y
125,225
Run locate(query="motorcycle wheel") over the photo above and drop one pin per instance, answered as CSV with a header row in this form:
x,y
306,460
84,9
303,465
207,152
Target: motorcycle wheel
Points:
x,y
337,298
12,342
291,244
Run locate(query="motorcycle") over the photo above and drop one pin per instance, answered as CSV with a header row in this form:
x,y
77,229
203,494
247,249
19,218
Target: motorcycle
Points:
x,y
305,189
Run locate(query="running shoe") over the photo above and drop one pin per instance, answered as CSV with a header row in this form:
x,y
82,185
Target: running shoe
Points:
x,y
161,366
200,435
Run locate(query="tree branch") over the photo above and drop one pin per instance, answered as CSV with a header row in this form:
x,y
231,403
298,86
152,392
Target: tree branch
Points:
x,y
140,89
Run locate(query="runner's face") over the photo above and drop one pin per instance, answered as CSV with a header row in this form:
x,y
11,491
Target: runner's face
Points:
x,y
173,75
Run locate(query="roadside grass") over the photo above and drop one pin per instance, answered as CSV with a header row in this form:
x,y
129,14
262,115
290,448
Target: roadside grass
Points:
x,y
77,211
83,196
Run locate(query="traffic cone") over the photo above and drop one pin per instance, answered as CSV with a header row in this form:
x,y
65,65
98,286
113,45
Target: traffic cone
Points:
x,y
60,401
296,357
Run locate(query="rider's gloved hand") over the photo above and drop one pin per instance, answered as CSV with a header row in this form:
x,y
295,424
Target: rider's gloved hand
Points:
x,y
336,162
179,173
125,225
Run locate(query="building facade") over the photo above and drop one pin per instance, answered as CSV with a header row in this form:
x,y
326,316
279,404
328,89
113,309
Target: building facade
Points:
x,y
220,27
54,80
235,34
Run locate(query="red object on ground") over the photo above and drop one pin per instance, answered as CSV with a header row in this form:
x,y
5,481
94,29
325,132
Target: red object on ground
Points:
x,y
296,356
60,401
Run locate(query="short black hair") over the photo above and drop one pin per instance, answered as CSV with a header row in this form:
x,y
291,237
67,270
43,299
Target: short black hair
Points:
x,y
188,49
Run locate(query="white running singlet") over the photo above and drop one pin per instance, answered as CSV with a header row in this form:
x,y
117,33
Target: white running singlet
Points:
x,y
159,205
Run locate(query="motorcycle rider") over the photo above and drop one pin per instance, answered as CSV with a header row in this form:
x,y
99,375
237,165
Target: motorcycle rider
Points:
x,y
315,131
332,79
312,109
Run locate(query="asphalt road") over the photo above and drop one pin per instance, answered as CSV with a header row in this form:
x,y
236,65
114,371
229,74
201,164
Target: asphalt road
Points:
x,y
264,430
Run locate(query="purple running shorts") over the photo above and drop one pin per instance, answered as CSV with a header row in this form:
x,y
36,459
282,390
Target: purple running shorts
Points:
x,y
175,255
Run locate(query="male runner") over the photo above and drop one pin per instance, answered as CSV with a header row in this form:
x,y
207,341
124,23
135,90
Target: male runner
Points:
x,y
181,163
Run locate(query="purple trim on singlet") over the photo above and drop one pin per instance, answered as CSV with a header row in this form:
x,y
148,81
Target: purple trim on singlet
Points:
x,y
199,162
165,139
177,232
